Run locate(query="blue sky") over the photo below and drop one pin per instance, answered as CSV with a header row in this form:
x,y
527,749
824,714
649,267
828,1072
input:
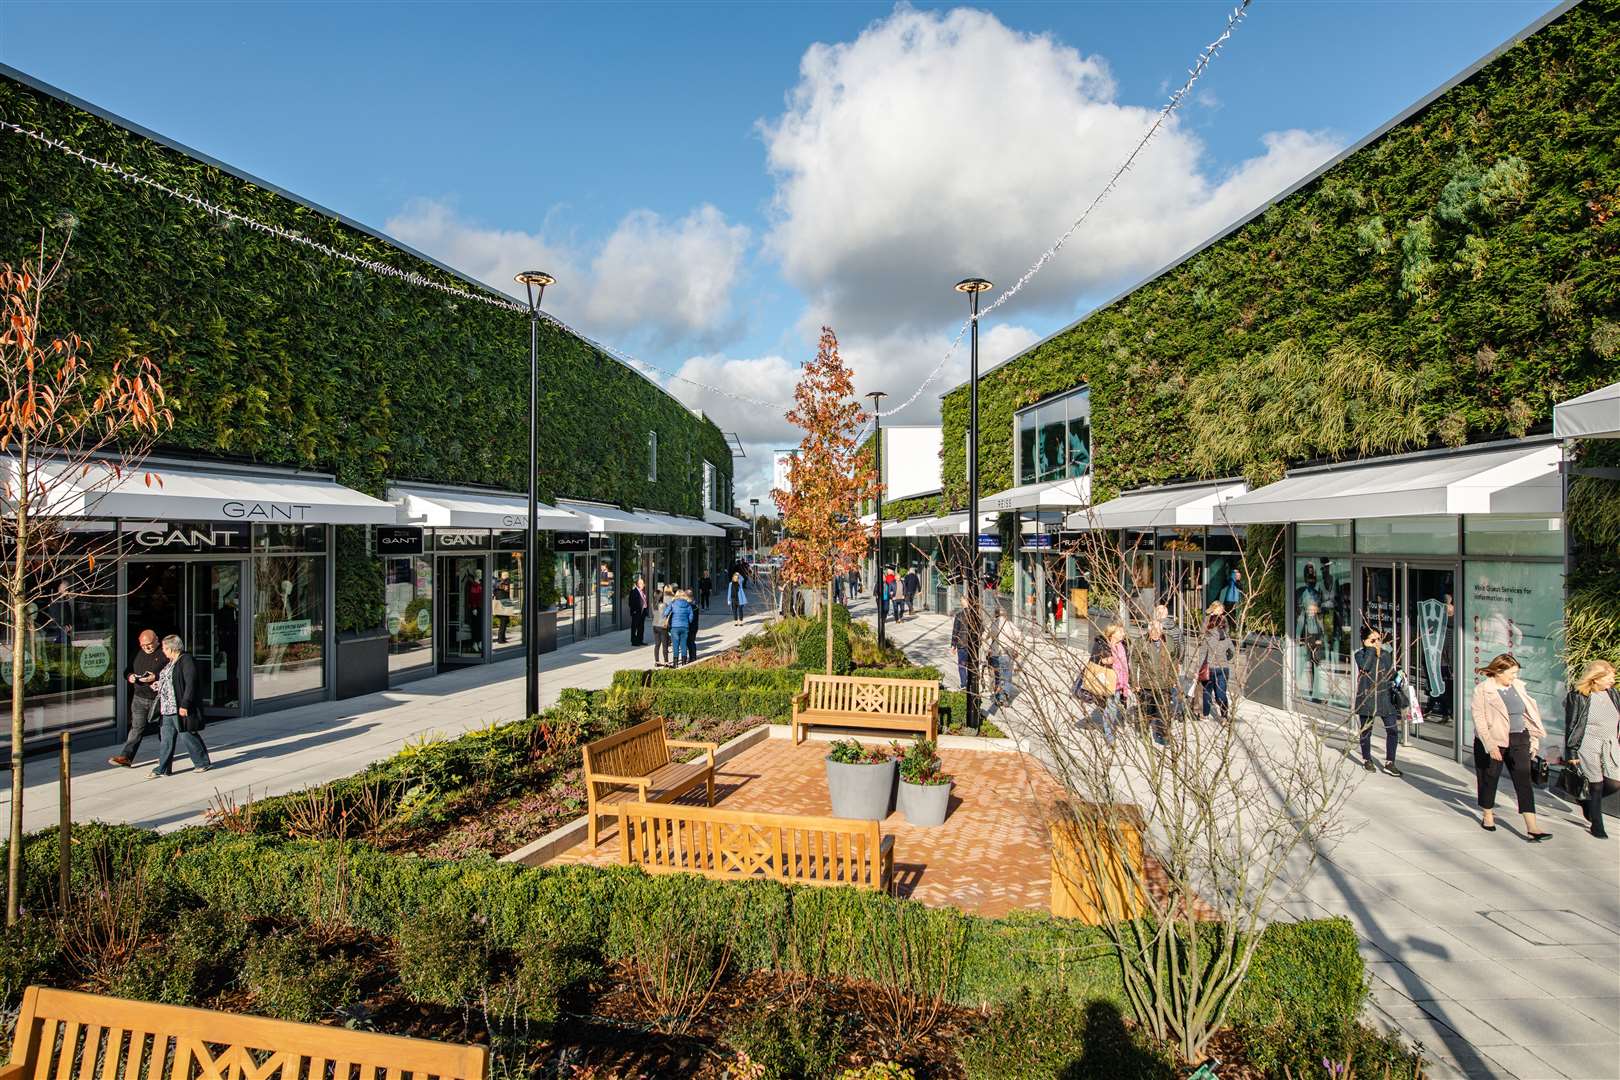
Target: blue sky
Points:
x,y
712,181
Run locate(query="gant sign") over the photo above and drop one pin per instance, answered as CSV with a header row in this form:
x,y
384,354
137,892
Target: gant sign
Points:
x,y
266,511
189,537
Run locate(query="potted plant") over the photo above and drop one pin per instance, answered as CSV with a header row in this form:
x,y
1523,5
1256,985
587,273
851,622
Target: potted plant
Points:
x,y
860,780
925,786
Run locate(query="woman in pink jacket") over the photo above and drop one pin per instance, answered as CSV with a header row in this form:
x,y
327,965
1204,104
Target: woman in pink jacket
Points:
x,y
1507,731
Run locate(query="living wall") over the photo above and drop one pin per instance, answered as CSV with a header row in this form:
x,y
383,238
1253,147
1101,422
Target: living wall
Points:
x,y
275,353
1446,284
1464,267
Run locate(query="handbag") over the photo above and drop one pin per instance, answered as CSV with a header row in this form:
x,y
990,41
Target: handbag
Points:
x,y
1540,771
1400,695
1573,783
1097,680
1203,672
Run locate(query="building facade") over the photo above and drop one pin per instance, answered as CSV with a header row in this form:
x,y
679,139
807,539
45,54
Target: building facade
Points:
x,y
1360,376
343,490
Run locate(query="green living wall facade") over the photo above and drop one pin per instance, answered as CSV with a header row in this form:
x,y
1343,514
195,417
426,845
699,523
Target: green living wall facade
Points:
x,y
277,354
1445,284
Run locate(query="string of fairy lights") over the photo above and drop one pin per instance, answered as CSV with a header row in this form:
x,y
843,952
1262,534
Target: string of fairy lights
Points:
x,y
494,299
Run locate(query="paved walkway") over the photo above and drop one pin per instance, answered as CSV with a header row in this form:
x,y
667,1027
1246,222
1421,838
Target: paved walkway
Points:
x,y
1500,956
284,751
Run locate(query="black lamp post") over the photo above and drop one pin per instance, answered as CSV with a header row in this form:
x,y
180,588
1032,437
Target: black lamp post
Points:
x,y
973,287
534,283
877,434
753,520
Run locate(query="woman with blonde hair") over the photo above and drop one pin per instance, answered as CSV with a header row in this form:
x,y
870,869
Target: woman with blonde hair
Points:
x,y
1592,737
1507,731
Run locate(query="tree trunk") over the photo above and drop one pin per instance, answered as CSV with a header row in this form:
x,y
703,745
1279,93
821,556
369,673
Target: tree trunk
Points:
x,y
829,625
19,613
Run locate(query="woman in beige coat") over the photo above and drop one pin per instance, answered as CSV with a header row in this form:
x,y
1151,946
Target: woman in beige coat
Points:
x,y
1507,731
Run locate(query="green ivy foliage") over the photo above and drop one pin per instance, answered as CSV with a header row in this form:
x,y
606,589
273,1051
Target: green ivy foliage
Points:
x,y
1468,261
275,353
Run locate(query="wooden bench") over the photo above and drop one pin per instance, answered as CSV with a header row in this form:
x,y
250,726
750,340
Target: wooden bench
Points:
x,y
742,844
853,702
139,1035
635,764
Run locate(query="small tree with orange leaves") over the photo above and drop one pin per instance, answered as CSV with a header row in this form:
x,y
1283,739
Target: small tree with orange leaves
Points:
x,y
828,479
70,432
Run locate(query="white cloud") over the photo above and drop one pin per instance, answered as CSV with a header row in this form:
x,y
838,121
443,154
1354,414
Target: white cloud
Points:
x,y
938,144
652,281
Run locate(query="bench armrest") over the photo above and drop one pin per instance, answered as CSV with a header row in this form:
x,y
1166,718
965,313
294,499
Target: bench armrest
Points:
x,y
800,698
708,748
16,1071
606,778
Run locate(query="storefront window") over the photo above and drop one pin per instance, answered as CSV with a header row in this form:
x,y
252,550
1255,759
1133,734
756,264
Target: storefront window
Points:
x,y
506,598
68,657
408,594
1321,638
1326,537
287,538
289,624
1435,535
1502,534
1518,608
1054,439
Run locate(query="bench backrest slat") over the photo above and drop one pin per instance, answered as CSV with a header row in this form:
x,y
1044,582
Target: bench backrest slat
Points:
x,y
851,693
638,750
65,1034
735,843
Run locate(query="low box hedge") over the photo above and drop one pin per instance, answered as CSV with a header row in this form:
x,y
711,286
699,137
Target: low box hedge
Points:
x,y
1310,970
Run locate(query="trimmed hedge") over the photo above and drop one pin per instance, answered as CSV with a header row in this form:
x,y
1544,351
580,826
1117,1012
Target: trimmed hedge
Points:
x,y
1309,969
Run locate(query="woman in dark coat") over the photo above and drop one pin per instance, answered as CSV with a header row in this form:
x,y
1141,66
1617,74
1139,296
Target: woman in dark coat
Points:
x,y
1375,691
179,690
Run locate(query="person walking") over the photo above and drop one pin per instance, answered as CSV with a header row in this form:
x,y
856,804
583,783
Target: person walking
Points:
x,y
1213,663
965,640
1592,738
1154,677
1114,634
179,692
737,598
1097,687
660,621
1377,687
638,611
889,606
679,614
854,584
911,587
1507,732
706,589
142,675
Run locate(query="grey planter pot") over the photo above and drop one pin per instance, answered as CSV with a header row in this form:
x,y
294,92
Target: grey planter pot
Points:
x,y
861,791
925,804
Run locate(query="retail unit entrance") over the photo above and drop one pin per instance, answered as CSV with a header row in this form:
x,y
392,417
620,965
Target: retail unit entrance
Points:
x,y
201,602
1415,606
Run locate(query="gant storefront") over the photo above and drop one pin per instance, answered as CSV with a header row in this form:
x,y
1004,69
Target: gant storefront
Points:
x,y
236,560
1456,556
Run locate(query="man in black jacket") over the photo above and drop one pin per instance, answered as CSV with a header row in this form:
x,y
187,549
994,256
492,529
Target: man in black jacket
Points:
x,y
143,703
638,611
179,691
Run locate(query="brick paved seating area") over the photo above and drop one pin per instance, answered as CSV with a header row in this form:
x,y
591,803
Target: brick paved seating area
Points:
x,y
992,856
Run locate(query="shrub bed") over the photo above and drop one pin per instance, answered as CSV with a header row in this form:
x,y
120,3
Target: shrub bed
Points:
x,y
337,930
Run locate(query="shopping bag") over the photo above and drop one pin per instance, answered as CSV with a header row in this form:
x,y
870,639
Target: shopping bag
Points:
x,y
1414,711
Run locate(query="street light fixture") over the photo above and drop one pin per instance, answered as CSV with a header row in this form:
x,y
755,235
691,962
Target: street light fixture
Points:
x,y
753,520
534,283
973,286
877,433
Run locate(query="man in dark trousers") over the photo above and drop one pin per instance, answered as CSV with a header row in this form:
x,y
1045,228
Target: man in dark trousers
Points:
x,y
913,586
965,640
706,589
638,611
141,675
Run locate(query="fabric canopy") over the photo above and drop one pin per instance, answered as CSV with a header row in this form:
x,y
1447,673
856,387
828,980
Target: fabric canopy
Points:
x,y
715,517
951,525
463,508
1590,416
186,491
675,525
1184,504
1521,479
1053,495
600,517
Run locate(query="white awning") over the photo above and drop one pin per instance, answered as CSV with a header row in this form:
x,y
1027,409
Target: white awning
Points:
x,y
600,517
1053,495
187,491
726,521
1183,504
675,525
1513,480
951,525
465,508
897,528
1590,416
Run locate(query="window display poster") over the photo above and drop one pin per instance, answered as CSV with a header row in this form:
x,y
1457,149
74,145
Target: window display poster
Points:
x,y
1518,608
